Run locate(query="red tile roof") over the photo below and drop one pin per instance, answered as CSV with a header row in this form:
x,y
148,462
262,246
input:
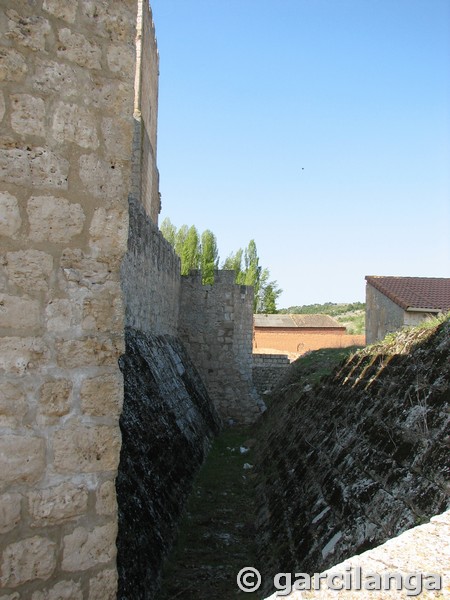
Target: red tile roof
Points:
x,y
432,293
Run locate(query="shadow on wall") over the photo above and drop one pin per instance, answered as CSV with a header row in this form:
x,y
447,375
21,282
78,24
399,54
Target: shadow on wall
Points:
x,y
348,464
167,424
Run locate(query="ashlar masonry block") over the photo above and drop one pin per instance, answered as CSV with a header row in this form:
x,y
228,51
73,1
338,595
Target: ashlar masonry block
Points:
x,y
30,559
86,548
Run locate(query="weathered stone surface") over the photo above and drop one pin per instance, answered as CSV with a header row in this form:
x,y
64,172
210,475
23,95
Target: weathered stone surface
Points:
x,y
54,219
121,58
12,65
108,232
83,270
2,106
116,96
27,31
58,286
106,501
117,137
77,48
151,287
22,459
27,114
61,9
18,312
57,504
27,560
102,396
55,398
9,511
84,549
103,311
109,20
88,352
216,329
64,590
103,586
33,167
29,269
10,220
102,179
354,461
86,449
51,76
423,549
18,355
166,413
13,405
74,124
59,315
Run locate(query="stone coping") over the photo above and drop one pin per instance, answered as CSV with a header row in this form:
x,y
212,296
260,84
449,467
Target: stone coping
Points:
x,y
424,549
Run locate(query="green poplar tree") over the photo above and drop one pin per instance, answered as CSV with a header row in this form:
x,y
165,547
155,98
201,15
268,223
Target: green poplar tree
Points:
x,y
169,231
190,252
233,262
209,256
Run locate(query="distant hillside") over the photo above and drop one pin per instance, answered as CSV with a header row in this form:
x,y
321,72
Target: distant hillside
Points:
x,y
351,315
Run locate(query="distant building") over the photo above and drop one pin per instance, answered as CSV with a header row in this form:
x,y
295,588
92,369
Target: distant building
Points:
x,y
299,333
394,302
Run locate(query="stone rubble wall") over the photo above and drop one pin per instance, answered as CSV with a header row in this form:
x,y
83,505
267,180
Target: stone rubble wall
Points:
x,y
267,370
66,106
358,459
150,276
422,549
215,325
146,175
167,424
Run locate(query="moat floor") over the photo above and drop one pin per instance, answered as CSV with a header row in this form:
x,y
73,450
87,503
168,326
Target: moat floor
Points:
x,y
217,534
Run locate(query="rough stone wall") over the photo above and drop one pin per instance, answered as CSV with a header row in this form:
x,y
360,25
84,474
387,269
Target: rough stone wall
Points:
x,y
146,112
215,324
359,459
150,276
167,423
422,549
168,419
66,115
267,370
301,341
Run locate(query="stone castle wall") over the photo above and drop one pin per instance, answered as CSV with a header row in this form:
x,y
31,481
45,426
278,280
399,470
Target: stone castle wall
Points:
x,y
66,116
150,276
268,369
146,112
82,262
216,327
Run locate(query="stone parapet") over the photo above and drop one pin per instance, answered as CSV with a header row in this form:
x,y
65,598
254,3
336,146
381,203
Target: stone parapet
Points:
x,y
216,327
267,370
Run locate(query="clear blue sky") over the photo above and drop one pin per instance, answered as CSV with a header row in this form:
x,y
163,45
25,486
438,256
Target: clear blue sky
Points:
x,y
318,128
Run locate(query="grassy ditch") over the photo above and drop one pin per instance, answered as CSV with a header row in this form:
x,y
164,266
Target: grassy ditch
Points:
x,y
217,534
309,369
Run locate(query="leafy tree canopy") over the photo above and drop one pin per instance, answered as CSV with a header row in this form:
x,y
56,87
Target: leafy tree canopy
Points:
x,y
201,252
